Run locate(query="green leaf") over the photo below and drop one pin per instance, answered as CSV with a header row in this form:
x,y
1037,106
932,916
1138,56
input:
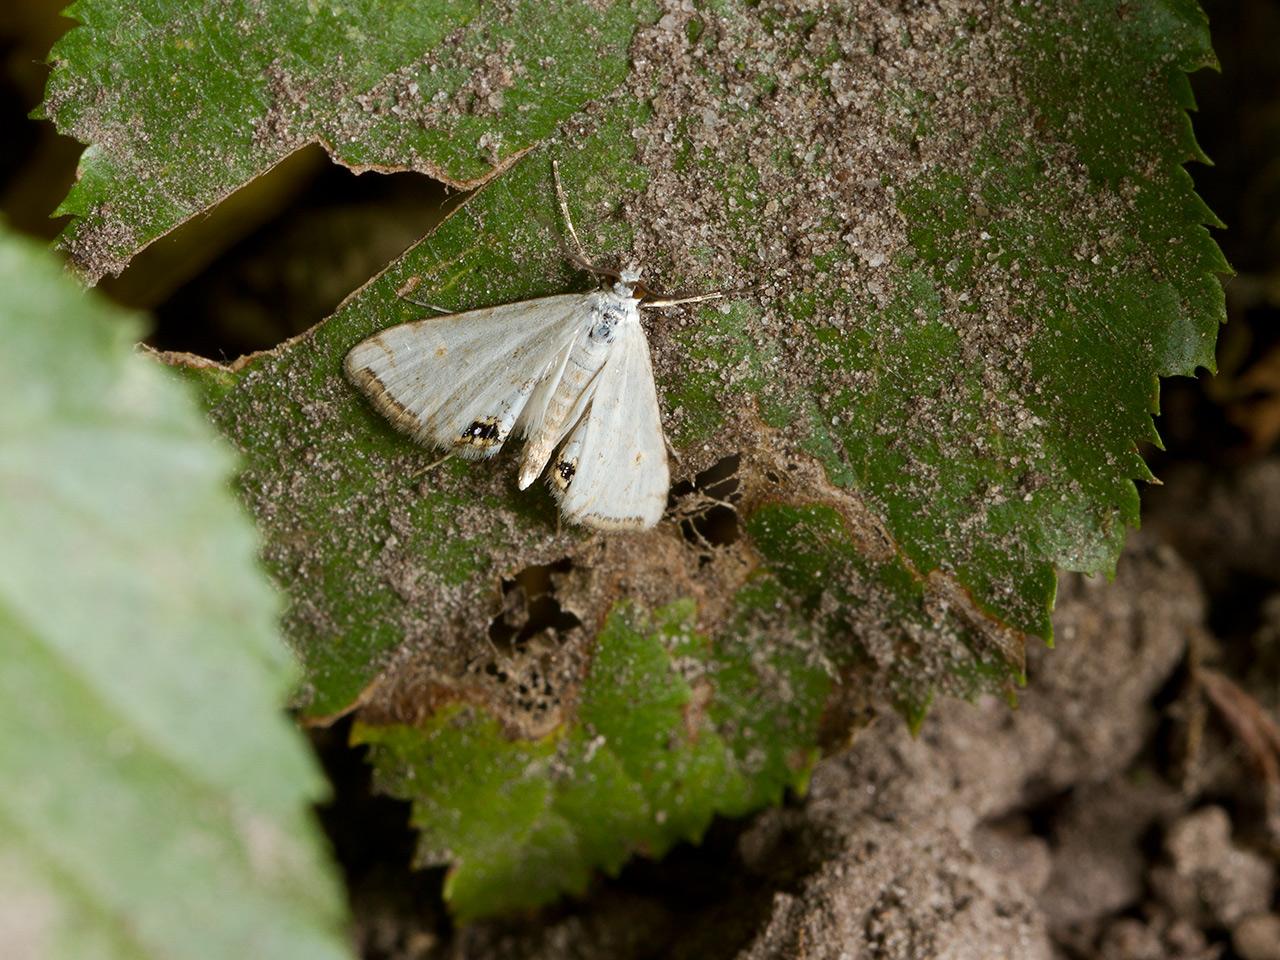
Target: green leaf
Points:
x,y
156,800
964,251
182,101
661,741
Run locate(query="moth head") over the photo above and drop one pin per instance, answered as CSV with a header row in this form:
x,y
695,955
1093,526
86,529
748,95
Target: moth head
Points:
x,y
628,277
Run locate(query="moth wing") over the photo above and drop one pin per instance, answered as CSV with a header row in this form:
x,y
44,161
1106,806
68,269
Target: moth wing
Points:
x,y
612,471
531,420
461,381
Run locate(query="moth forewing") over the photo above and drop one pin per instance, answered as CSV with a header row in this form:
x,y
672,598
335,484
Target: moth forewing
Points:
x,y
569,372
606,313
462,381
612,472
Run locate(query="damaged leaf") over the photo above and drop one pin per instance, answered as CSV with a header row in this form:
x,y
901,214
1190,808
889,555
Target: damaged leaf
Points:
x,y
660,742
960,249
183,102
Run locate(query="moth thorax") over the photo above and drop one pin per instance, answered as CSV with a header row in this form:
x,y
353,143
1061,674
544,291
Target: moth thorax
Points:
x,y
605,327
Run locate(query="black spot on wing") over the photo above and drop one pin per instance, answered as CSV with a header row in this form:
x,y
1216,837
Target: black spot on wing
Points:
x,y
481,433
563,473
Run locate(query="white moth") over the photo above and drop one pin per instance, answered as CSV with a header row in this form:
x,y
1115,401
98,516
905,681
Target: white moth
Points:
x,y
569,373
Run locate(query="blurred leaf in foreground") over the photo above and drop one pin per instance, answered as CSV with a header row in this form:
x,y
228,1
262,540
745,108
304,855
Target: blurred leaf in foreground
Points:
x,y
156,800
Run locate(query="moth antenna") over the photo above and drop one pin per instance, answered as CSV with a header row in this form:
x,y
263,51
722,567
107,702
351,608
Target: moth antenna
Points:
x,y
568,221
702,298
588,267
676,301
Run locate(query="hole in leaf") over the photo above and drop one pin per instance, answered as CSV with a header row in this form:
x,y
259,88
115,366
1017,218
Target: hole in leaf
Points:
x,y
532,654
278,255
530,606
706,506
